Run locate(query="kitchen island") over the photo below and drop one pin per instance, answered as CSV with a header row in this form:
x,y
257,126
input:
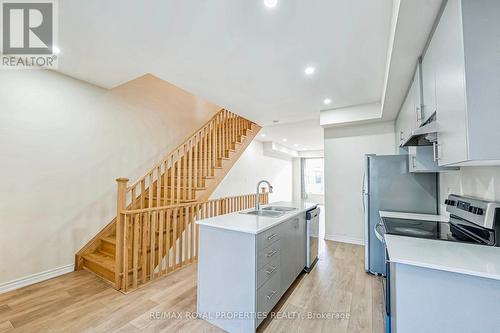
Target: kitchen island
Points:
x,y
247,262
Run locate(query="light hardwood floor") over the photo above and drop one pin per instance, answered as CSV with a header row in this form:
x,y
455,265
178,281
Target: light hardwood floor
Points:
x,y
81,302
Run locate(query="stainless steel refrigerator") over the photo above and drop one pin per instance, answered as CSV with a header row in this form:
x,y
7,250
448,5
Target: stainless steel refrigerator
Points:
x,y
388,185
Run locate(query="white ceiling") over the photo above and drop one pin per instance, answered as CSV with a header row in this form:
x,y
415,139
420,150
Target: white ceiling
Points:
x,y
300,136
237,53
411,24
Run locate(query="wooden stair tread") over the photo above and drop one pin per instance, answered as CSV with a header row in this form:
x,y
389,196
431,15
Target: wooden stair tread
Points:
x,y
102,259
109,239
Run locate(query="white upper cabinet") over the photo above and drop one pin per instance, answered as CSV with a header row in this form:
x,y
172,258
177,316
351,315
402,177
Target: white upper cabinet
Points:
x,y
429,81
403,122
410,115
416,87
422,159
450,86
461,82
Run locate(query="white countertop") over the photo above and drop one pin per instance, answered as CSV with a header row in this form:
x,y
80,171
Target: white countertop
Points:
x,y
456,257
254,224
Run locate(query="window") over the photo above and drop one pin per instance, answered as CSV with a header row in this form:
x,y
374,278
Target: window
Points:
x,y
313,177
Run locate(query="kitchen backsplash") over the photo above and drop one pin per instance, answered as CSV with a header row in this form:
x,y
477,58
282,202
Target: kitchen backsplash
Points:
x,y
481,182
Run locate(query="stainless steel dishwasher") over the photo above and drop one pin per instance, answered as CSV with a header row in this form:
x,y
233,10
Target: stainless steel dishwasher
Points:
x,y
312,238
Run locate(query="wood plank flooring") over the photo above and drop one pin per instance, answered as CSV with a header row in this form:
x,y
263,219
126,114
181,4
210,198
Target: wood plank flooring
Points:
x,y
81,302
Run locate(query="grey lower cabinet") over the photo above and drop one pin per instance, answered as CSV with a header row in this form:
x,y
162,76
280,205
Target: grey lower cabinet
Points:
x,y
241,276
293,255
435,301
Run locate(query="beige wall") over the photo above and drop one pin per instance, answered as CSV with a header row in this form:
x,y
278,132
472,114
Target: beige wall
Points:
x,y
345,150
62,144
253,166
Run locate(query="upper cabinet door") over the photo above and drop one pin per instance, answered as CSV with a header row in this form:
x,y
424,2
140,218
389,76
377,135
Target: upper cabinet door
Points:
x,y
450,86
417,96
406,117
429,81
409,117
461,82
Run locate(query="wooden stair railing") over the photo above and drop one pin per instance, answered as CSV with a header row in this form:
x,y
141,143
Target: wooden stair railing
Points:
x,y
161,240
184,178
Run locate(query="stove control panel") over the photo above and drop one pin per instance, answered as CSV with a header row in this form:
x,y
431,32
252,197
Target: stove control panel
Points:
x,y
450,202
477,211
466,206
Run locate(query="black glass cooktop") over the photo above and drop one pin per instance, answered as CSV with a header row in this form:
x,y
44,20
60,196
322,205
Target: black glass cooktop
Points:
x,y
425,229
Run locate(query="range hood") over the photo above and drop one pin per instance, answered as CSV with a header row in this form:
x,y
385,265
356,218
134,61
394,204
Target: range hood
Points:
x,y
425,135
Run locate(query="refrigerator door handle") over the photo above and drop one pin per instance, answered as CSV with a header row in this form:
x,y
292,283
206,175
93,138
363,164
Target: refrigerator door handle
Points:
x,y
363,183
363,193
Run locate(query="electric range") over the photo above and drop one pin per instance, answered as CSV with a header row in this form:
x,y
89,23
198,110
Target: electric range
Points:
x,y
471,220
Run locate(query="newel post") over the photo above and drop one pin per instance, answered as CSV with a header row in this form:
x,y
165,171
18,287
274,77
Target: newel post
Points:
x,y
121,205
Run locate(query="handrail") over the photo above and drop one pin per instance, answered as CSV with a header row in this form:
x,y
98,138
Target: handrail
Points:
x,y
154,209
160,240
188,166
176,148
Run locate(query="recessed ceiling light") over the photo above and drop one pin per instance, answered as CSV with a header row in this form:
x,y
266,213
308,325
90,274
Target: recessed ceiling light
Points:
x,y
327,101
285,140
262,135
309,70
296,145
56,50
270,3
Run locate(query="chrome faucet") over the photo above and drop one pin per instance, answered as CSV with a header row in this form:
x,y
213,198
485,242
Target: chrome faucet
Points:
x,y
257,195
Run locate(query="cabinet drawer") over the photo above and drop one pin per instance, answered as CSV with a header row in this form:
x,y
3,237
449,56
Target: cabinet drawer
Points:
x,y
267,254
266,238
268,271
269,294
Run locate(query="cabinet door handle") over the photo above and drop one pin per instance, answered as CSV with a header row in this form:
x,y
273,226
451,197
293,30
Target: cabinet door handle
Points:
x,y
271,295
414,161
435,151
272,253
271,236
270,271
400,135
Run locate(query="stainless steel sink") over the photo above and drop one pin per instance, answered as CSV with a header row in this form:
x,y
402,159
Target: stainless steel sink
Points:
x,y
279,208
270,211
266,213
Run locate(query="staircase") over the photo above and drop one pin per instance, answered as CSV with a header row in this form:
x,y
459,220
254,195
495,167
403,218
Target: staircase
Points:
x,y
154,232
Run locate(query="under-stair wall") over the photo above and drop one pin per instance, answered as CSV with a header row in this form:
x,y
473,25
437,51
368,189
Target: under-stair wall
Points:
x,y
63,143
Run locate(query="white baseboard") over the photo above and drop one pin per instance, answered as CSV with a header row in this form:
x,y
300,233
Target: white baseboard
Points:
x,y
35,278
345,239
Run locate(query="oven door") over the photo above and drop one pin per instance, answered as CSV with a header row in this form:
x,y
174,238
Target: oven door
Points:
x,y
380,233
